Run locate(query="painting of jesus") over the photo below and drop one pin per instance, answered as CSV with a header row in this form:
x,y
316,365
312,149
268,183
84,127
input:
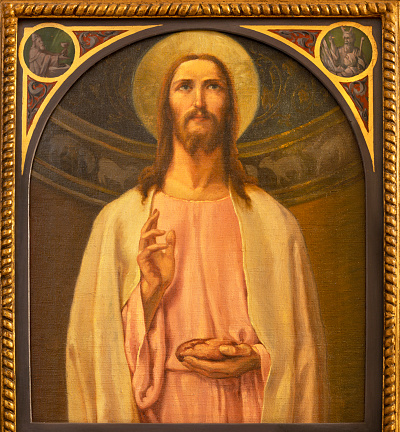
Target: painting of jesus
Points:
x,y
186,196
231,281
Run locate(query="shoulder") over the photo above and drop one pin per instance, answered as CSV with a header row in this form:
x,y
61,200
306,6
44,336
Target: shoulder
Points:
x,y
272,213
263,201
123,208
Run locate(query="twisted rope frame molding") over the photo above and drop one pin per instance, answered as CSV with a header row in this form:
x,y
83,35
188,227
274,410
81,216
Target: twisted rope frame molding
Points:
x,y
8,381
388,13
194,9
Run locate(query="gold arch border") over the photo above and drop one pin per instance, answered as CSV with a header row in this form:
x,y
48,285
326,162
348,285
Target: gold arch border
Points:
x,y
388,12
79,60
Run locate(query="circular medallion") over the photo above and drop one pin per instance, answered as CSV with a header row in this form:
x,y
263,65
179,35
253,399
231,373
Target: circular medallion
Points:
x,y
346,51
49,52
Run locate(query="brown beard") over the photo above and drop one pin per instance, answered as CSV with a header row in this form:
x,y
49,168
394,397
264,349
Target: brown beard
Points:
x,y
207,141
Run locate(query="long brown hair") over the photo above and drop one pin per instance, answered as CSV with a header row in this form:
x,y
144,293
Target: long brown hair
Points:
x,y
154,175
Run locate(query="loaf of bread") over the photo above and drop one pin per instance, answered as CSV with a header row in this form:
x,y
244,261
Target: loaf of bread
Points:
x,y
204,349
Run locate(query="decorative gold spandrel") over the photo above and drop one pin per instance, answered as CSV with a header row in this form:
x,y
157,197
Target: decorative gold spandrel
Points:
x,y
389,14
362,77
54,83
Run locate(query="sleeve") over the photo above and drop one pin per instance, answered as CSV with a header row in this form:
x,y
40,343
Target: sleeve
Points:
x,y
265,361
311,402
145,351
98,378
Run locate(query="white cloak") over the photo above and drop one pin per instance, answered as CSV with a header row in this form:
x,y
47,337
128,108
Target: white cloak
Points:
x,y
282,302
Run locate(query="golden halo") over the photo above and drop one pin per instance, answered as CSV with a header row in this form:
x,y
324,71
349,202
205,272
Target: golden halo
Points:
x,y
156,62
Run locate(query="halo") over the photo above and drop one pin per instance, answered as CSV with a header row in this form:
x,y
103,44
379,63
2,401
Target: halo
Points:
x,y
156,62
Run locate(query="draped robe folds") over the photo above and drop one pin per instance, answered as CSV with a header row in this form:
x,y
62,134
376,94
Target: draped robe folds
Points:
x,y
40,61
283,308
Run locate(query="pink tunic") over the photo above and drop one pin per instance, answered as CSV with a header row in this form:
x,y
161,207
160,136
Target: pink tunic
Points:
x,y
207,299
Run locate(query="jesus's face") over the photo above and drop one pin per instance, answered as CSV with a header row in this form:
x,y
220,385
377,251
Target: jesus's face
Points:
x,y
198,98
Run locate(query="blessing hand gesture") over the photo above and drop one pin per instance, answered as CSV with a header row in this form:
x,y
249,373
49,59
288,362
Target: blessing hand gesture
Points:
x,y
156,262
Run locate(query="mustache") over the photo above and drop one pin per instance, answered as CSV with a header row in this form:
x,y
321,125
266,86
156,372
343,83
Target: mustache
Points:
x,y
196,112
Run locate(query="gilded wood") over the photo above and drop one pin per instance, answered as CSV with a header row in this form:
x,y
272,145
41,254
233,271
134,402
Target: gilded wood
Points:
x,y
389,14
7,220
390,87
159,9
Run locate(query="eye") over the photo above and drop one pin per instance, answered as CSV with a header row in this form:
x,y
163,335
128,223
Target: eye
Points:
x,y
184,87
214,86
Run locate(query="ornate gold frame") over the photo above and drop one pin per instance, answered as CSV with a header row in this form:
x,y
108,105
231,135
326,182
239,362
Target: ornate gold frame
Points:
x,y
388,12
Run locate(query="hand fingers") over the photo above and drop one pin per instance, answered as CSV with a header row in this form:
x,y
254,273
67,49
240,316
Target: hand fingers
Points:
x,y
171,240
227,350
150,224
153,218
214,375
240,350
150,235
205,365
194,369
171,237
207,368
146,252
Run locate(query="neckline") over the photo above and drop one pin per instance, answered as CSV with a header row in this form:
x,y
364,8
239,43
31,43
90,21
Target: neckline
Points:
x,y
190,200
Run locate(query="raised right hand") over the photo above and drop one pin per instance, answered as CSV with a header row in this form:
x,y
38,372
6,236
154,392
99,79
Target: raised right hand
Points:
x,y
156,260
